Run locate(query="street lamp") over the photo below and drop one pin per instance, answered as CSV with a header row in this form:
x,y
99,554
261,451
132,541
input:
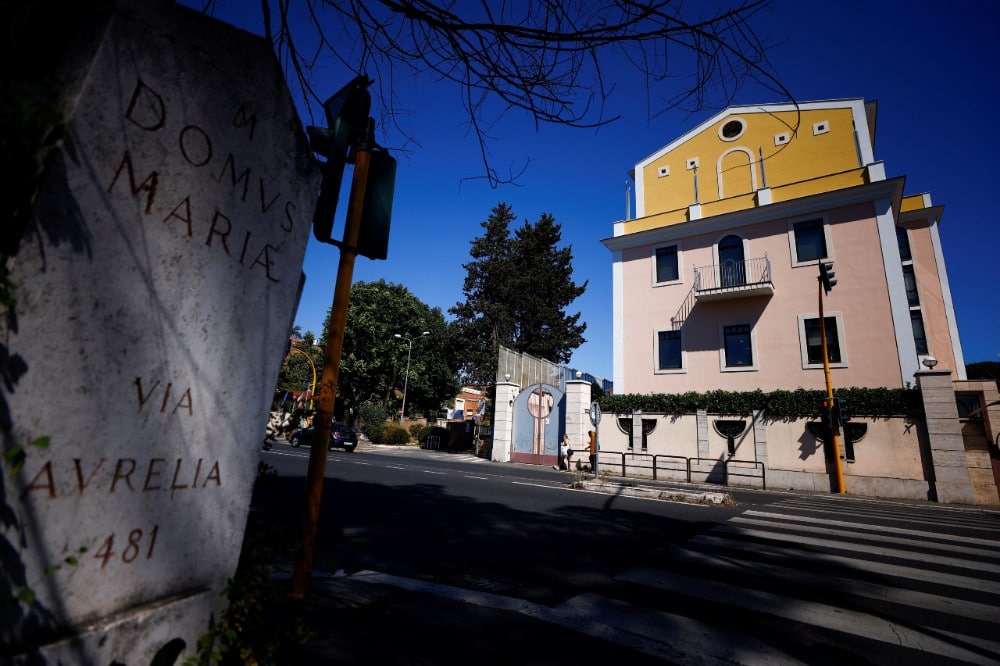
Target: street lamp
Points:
x,y
406,380
312,389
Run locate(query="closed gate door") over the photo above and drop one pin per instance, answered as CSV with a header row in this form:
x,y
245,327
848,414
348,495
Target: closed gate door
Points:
x,y
538,425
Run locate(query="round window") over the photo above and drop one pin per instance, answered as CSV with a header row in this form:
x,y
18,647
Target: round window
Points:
x,y
732,129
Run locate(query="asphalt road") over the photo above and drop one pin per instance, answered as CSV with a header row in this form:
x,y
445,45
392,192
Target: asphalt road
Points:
x,y
510,562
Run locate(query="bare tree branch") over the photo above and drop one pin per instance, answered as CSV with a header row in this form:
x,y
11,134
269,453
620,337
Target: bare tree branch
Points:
x,y
547,58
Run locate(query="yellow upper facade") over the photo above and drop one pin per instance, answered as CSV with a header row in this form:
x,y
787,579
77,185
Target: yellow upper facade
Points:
x,y
724,164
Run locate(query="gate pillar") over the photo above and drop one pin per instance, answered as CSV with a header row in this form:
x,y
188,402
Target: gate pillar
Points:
x,y
577,413
951,482
503,420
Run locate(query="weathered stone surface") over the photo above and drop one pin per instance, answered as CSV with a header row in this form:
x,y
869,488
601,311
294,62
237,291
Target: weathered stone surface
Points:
x,y
984,486
941,410
760,437
955,493
702,417
949,458
877,486
953,474
155,289
792,480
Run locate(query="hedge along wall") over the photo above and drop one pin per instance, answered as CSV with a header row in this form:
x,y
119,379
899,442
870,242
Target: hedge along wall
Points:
x,y
869,402
887,460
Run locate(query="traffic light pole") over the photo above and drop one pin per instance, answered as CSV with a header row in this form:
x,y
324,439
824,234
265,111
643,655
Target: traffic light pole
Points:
x,y
835,425
331,370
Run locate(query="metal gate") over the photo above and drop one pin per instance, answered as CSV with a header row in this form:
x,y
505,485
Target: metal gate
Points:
x,y
538,425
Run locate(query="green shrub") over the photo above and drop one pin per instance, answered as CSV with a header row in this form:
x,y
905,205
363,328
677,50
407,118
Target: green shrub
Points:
x,y
371,415
397,435
374,432
415,430
427,431
390,434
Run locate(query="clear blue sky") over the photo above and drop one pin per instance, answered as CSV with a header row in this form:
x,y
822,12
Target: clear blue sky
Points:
x,y
929,65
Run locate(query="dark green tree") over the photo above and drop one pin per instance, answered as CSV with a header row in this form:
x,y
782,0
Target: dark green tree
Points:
x,y
517,289
545,289
983,370
485,319
373,360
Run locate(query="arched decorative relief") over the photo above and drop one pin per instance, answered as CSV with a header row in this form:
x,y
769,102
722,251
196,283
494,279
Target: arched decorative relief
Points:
x,y
730,429
749,165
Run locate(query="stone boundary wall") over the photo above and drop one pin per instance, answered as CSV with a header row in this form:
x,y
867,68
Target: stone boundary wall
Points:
x,y
942,458
889,461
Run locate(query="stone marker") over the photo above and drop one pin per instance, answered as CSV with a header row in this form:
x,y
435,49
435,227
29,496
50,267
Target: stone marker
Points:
x,y
155,287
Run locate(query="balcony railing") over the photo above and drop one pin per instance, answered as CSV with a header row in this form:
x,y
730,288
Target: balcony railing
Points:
x,y
734,279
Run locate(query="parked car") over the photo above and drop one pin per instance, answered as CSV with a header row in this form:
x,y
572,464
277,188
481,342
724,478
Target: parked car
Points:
x,y
341,436
344,437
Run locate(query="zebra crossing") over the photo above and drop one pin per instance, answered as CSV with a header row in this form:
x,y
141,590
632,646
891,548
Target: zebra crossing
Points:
x,y
806,579
809,580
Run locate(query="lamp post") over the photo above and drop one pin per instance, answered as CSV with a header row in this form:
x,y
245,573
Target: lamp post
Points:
x,y
406,380
312,389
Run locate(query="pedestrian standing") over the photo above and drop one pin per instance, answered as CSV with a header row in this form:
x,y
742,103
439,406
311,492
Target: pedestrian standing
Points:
x,y
565,453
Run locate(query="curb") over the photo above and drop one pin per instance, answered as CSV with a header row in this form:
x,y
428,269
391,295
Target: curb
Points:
x,y
666,494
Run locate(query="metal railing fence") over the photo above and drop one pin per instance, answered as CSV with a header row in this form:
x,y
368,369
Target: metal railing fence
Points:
x,y
653,465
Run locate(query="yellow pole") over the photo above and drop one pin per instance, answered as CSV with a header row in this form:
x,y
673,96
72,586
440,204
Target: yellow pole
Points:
x,y
331,371
312,390
835,428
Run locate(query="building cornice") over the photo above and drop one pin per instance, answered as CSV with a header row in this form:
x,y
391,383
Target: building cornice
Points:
x,y
932,213
891,189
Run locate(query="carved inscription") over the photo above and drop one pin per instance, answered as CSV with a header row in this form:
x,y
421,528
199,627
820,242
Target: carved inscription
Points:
x,y
124,475
183,398
220,230
135,546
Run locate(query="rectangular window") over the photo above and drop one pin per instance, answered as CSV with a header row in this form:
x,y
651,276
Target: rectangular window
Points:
x,y
919,337
737,346
814,341
904,244
666,264
669,350
910,280
810,240
969,407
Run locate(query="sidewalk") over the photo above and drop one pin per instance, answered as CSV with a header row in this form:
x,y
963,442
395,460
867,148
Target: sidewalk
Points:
x,y
376,624
373,618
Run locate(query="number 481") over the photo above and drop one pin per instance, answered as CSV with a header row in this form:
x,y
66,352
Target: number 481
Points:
x,y
131,551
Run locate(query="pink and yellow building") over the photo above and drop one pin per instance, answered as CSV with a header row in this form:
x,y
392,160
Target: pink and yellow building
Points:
x,y
715,280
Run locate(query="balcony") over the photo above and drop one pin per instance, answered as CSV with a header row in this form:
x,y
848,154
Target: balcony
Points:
x,y
733,279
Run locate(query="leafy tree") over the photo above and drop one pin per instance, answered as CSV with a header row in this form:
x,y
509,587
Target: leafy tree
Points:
x,y
983,370
517,289
373,360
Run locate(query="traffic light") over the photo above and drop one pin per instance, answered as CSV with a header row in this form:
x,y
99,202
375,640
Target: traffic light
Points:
x,y
840,414
826,412
826,275
347,118
373,237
